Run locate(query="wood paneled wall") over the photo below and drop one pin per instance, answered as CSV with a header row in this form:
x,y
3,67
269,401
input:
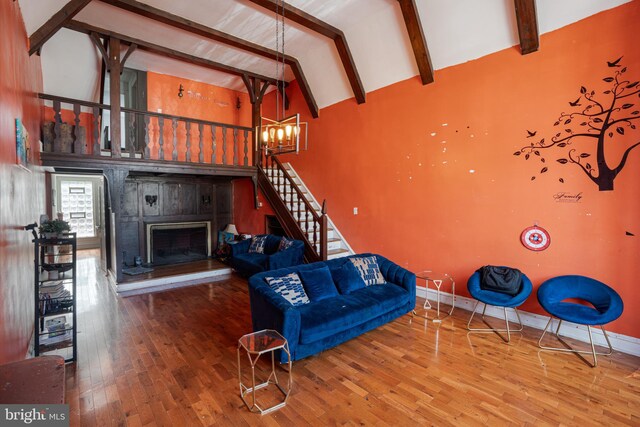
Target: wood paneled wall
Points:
x,y
155,199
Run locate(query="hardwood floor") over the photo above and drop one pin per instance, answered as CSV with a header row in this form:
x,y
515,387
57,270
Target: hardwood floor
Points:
x,y
170,359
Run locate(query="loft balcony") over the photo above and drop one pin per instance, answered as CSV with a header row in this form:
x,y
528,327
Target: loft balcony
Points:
x,y
75,135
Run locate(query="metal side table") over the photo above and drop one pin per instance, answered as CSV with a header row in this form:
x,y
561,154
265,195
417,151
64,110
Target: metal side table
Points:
x,y
438,279
255,345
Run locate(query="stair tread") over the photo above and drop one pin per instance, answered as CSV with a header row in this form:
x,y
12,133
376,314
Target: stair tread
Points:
x,y
337,251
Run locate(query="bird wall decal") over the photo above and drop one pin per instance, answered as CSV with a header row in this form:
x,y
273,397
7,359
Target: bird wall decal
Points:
x,y
531,134
575,103
614,63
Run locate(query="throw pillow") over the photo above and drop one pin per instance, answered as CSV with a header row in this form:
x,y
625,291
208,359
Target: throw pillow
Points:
x,y
347,279
285,244
257,244
290,288
318,283
369,270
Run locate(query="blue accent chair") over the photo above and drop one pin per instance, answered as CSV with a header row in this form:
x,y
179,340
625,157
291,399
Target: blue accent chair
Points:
x,y
605,306
497,299
248,264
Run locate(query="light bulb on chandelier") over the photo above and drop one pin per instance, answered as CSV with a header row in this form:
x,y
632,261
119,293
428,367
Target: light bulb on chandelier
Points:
x,y
282,134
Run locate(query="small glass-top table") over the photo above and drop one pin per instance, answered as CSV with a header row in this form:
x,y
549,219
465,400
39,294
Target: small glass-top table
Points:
x,y
438,279
255,345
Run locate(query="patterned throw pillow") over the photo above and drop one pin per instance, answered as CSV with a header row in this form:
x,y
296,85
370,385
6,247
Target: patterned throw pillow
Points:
x,y
285,244
290,287
257,244
369,270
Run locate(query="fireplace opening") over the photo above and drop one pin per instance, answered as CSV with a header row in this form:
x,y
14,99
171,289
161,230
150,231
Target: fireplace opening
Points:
x,y
178,243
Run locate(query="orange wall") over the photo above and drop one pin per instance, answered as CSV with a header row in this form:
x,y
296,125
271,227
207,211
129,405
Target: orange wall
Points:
x,y
432,171
21,191
247,219
199,101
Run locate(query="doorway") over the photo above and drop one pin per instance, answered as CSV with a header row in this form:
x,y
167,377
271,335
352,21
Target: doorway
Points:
x,y
80,200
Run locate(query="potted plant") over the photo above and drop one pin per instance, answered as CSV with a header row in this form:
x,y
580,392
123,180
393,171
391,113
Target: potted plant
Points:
x,y
54,228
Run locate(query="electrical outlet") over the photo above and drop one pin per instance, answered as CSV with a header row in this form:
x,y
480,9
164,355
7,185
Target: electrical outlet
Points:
x,y
355,211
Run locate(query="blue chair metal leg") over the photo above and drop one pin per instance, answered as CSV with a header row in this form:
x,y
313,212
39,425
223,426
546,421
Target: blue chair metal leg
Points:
x,y
497,331
569,349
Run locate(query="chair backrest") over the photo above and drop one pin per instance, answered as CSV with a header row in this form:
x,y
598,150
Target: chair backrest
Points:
x,y
579,287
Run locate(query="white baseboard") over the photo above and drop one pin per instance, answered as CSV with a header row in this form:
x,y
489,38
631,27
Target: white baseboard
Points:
x,y
170,282
622,343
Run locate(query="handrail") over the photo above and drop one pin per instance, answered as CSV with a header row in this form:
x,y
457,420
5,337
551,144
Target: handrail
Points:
x,y
297,188
274,177
135,111
148,135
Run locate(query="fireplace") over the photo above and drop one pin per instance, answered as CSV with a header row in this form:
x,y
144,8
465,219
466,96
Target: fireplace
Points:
x,y
178,242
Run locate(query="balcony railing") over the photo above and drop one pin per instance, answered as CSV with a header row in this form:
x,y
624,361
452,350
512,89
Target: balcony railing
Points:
x,y
75,127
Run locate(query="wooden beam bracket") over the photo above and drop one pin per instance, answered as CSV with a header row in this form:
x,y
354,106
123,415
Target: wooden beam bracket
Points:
x,y
101,48
132,47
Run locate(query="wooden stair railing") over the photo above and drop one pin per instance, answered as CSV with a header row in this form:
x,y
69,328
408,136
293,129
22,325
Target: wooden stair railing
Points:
x,y
308,225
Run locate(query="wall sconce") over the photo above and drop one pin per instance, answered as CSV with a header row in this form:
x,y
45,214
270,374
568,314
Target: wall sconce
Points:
x,y
151,200
180,90
206,200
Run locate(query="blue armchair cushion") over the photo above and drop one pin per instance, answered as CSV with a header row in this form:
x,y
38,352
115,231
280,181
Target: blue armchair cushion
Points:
x,y
369,270
347,278
318,284
285,244
290,287
257,244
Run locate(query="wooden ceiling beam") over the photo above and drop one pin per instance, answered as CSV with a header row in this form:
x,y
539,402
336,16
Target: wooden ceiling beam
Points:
x,y
220,37
527,25
164,51
57,21
309,21
418,41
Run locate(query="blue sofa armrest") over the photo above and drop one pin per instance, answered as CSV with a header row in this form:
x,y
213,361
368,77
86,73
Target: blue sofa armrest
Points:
x,y
393,273
289,257
242,247
269,310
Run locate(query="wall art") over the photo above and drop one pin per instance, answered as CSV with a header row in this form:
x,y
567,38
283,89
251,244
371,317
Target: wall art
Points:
x,y
597,120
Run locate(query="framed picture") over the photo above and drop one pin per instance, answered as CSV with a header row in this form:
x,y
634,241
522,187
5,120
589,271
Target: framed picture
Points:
x,y
23,147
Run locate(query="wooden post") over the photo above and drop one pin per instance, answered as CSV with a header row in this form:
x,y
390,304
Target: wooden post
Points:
x,y
114,90
116,179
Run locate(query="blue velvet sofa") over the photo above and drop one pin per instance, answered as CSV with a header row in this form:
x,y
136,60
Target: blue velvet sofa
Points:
x,y
320,325
249,264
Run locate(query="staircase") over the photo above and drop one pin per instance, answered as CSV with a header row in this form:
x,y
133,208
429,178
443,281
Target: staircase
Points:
x,y
299,212
337,244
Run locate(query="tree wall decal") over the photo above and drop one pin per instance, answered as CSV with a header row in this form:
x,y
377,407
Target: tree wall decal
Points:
x,y
595,121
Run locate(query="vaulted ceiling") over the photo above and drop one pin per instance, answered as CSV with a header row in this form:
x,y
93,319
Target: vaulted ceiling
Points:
x,y
375,31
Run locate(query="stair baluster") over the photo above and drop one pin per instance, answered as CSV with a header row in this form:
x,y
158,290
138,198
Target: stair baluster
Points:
x,y
307,225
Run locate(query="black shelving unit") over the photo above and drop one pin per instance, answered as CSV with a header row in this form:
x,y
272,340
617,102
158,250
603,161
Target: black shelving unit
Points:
x,y
55,296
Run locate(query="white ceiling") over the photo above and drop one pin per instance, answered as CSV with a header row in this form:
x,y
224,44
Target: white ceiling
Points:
x,y
456,31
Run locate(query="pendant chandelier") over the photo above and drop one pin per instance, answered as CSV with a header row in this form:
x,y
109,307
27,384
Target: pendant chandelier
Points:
x,y
282,134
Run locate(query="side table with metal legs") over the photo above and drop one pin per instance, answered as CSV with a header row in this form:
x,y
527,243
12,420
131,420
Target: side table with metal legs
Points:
x,y
255,345
438,279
